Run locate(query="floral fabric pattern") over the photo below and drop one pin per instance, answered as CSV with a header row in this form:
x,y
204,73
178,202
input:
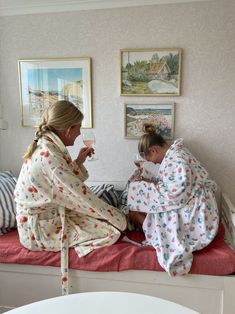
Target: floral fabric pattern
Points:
x,y
56,210
182,214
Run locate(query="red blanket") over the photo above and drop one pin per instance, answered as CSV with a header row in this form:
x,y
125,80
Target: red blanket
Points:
x,y
216,259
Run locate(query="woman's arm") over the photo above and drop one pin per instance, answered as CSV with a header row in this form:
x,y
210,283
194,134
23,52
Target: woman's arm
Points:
x,y
171,192
70,192
80,171
77,166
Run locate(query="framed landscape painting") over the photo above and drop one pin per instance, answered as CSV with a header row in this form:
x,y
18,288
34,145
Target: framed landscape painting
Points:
x,y
45,81
150,72
159,114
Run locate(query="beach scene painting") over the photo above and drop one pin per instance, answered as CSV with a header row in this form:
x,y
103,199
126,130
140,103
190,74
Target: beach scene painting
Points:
x,y
151,72
161,115
43,82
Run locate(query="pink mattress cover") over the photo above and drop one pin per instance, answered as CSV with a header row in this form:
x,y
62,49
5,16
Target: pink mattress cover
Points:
x,y
216,259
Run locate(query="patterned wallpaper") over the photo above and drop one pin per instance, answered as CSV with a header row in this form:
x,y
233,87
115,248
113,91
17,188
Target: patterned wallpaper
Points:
x,y
205,112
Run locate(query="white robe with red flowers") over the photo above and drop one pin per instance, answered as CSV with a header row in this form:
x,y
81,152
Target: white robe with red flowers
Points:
x,y
56,210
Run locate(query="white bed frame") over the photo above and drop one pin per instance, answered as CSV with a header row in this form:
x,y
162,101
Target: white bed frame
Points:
x,y
23,284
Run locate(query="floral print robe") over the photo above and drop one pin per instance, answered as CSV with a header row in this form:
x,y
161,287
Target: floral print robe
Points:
x,y
56,210
182,214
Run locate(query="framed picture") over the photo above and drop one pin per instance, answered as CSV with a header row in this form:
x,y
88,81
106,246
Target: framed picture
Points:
x,y
150,72
45,81
159,114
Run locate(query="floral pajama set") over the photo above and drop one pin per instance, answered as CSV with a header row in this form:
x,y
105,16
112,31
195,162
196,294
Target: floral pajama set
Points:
x,y
56,210
182,214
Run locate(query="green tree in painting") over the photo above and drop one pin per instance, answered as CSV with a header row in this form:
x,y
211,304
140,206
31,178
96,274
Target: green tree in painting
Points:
x,y
155,58
172,61
137,72
128,66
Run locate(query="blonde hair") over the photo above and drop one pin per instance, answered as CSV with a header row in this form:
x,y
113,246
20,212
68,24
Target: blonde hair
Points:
x,y
60,116
150,138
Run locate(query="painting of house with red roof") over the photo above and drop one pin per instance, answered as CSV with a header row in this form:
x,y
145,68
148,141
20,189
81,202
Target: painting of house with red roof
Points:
x,y
151,72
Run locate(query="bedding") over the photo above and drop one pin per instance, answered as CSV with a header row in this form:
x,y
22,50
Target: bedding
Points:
x,y
216,259
107,193
7,205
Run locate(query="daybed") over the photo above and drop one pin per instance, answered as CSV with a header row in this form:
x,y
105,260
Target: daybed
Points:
x,y
208,289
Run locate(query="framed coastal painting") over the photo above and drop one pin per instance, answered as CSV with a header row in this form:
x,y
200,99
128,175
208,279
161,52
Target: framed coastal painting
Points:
x,y
150,72
45,81
159,114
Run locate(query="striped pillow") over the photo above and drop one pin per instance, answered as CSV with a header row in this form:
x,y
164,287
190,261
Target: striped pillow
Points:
x,y
7,204
123,201
107,193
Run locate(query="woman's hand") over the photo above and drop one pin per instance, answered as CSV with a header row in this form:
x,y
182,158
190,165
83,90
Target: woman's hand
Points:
x,y
83,154
140,177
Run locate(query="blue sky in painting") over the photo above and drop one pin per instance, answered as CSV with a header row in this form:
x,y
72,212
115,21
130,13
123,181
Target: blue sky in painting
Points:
x,y
52,79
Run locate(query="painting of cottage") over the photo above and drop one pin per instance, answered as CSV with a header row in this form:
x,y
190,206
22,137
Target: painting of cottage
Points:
x,y
152,72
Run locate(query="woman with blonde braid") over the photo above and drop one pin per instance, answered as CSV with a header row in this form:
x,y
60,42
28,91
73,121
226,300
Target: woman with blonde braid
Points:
x,y
55,209
178,209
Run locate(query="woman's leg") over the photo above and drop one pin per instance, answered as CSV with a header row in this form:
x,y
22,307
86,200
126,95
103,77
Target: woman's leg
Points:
x,y
137,218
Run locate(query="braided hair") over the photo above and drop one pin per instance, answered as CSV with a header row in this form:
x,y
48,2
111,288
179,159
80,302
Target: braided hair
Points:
x,y
60,116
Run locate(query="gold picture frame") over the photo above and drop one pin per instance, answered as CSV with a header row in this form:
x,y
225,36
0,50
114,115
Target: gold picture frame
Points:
x,y
44,81
150,72
161,114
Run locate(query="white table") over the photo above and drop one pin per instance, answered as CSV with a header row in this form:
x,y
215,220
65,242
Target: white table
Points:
x,y
103,303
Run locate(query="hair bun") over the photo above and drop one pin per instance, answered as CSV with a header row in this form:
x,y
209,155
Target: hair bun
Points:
x,y
149,128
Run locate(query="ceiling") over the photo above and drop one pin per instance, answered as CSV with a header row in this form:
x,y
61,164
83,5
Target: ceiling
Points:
x,y
18,7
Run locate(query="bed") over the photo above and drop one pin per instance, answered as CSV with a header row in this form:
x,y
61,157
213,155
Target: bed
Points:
x,y
207,289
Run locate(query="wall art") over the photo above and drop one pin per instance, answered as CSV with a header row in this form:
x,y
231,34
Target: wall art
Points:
x,y
150,72
45,81
159,114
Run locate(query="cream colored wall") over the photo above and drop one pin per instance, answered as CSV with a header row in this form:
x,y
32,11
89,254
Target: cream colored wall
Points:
x,y
205,113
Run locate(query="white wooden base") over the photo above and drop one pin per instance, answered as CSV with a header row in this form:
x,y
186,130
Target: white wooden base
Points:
x,y
23,284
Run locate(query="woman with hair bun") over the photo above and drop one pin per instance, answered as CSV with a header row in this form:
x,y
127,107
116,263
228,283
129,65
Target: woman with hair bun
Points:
x,y
178,210
55,209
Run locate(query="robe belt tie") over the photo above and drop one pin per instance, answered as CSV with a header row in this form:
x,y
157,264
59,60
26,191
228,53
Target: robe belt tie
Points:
x,y
64,253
